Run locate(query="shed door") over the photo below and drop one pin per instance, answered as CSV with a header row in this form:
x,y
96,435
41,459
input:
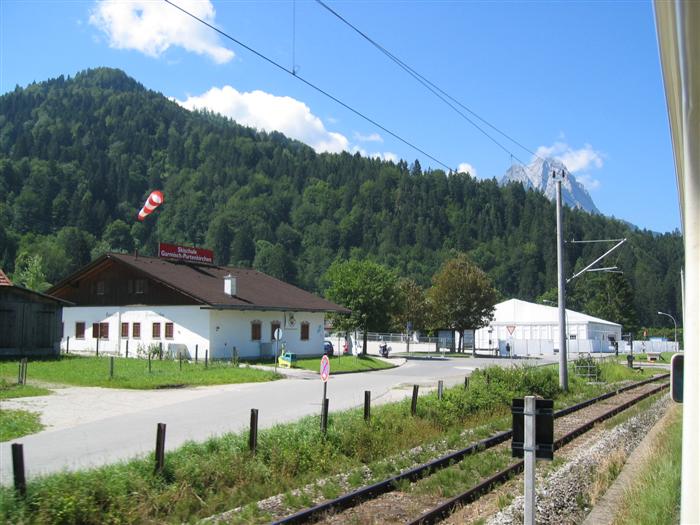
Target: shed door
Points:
x,y
8,328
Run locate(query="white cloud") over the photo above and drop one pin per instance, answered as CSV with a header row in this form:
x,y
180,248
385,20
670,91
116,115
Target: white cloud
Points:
x,y
153,27
579,161
270,113
465,167
372,137
575,159
386,155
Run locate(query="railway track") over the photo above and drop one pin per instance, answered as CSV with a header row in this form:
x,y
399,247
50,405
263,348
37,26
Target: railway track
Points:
x,y
571,422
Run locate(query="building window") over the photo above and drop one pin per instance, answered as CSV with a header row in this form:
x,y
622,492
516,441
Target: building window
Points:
x,y
130,286
304,331
256,330
125,329
155,333
136,330
140,286
168,330
100,330
80,330
274,326
100,287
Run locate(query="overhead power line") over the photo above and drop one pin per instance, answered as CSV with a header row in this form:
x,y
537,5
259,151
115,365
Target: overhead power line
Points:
x,y
311,85
436,90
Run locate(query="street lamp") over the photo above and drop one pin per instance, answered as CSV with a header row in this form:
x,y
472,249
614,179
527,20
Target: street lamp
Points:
x,y
675,326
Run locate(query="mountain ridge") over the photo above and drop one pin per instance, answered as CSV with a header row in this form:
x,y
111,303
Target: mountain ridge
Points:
x,y
537,176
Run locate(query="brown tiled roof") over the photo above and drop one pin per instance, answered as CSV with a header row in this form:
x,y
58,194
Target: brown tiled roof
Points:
x,y
4,279
205,283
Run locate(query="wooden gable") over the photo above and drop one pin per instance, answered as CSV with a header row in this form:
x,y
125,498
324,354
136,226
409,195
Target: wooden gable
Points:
x,y
112,283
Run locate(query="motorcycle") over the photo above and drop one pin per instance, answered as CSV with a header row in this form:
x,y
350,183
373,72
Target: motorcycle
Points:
x,y
384,350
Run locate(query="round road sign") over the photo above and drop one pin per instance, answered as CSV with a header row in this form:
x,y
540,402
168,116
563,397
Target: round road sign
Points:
x,y
325,368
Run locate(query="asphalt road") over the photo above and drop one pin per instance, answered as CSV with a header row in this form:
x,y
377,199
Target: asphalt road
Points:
x,y
88,427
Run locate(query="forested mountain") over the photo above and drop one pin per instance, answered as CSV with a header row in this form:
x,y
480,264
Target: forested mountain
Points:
x,y
79,155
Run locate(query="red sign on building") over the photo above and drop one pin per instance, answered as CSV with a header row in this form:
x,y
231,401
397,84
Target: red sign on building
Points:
x,y
185,253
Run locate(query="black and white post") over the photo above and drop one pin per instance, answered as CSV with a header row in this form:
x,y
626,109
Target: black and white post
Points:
x,y
529,459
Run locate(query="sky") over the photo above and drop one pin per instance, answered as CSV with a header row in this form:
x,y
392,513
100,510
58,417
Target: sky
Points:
x,y
580,81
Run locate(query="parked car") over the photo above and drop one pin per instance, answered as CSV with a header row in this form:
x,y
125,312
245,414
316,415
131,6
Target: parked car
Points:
x,y
328,348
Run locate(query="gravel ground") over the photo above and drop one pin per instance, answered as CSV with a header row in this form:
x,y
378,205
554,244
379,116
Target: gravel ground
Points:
x,y
563,497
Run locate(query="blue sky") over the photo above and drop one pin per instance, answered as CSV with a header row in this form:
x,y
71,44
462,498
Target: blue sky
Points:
x,y
577,80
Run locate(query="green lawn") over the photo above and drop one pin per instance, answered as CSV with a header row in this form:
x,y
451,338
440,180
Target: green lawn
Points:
x,y
665,357
133,373
9,390
347,363
655,497
18,423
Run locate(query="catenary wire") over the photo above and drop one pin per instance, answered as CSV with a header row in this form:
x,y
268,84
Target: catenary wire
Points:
x,y
436,90
312,85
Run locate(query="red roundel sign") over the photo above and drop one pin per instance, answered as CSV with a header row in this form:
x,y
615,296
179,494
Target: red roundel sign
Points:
x,y
325,368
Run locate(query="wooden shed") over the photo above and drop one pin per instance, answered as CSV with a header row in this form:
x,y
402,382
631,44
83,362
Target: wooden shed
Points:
x,y
30,322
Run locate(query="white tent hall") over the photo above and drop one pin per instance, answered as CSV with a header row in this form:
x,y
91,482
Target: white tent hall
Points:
x,y
531,329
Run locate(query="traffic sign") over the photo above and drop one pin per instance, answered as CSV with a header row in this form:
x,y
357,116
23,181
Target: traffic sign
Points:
x,y
511,328
278,334
325,368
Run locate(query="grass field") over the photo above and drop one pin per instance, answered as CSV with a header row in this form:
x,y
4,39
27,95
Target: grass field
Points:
x,y
655,497
201,479
18,423
133,373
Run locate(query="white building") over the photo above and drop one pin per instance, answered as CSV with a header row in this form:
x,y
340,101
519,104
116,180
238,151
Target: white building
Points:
x,y
134,302
530,328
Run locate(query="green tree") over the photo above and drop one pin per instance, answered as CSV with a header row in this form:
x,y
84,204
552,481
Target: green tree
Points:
x,y
29,272
608,296
118,236
366,288
411,306
462,296
273,260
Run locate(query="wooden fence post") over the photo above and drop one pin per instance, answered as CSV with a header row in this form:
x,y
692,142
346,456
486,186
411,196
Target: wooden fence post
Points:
x,y
160,448
127,348
160,351
18,469
414,400
67,344
206,358
466,382
97,346
111,367
441,386
196,353
149,362
368,395
253,437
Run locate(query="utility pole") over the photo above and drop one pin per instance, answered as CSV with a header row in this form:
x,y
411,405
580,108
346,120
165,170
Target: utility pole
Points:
x,y
561,282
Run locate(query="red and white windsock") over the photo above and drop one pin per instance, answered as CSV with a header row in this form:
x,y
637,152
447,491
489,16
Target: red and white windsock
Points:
x,y
155,199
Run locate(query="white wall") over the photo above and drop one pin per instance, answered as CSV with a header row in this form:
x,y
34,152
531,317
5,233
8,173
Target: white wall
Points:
x,y
233,328
190,327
